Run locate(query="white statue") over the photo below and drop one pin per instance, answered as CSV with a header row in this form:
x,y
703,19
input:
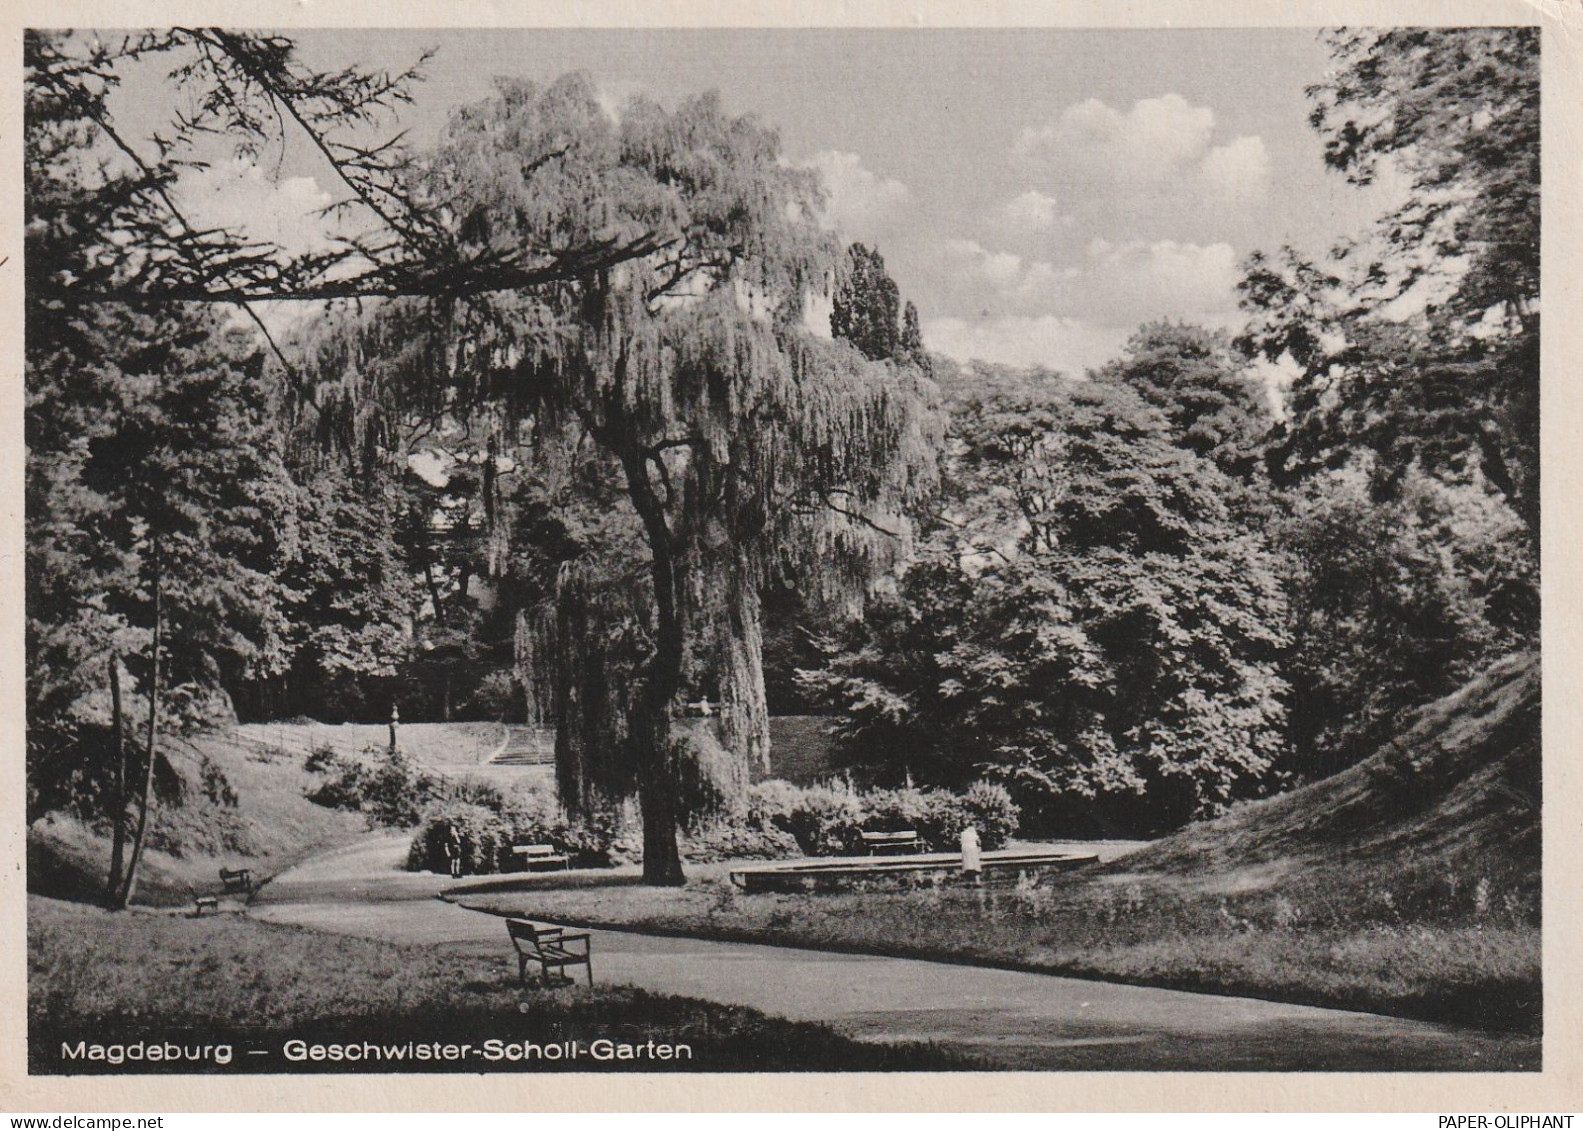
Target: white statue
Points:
x,y
972,862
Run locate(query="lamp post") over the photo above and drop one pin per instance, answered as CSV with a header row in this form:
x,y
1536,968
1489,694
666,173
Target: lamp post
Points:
x,y
395,719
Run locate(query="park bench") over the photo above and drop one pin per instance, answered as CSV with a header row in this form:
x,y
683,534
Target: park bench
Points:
x,y
237,881
541,856
883,844
203,901
550,948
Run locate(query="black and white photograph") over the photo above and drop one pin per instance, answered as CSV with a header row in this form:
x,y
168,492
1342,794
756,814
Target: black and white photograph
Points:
x,y
787,549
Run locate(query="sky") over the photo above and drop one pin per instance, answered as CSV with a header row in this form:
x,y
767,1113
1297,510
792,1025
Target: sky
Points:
x,y
1038,194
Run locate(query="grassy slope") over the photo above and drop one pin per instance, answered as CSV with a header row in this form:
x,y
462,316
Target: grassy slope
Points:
x,y
439,745
273,824
1452,801
1406,885
118,978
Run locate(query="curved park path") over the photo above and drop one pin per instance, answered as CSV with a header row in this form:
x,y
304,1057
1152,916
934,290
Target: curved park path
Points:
x,y
1007,1018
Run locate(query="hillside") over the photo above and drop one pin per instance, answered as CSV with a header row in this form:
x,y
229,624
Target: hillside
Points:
x,y
1445,816
271,824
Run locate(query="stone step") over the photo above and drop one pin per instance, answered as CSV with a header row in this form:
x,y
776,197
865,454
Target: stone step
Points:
x,y
526,746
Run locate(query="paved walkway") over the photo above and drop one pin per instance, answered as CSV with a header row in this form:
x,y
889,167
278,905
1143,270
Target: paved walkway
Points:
x,y
1011,1019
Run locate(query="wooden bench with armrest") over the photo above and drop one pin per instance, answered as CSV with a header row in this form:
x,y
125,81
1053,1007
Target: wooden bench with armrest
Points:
x,y
551,948
541,856
237,881
883,844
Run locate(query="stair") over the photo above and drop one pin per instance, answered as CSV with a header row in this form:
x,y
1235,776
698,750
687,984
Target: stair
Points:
x,y
526,746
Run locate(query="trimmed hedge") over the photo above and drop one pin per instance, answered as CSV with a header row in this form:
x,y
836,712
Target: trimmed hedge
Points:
x,y
778,821
829,821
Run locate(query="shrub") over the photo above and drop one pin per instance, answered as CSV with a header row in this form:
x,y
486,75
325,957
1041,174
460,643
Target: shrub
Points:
x,y
944,817
343,790
992,811
323,759
480,832
771,802
827,821
525,817
738,840
477,792
824,821
897,810
395,792
607,837
387,787
535,818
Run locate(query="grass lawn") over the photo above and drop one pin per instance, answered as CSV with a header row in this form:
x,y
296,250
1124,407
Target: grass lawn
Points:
x,y
119,978
1300,937
437,745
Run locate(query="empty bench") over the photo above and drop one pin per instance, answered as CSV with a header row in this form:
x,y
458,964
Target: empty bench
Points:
x,y
237,881
886,844
541,857
551,948
203,901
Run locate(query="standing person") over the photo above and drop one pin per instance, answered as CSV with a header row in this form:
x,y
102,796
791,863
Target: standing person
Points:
x,y
972,862
453,849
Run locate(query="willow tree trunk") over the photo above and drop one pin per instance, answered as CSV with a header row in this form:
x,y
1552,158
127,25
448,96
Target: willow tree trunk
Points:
x,y
112,886
649,727
744,713
146,787
649,733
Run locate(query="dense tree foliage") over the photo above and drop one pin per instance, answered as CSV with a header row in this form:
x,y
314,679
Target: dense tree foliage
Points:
x,y
347,598
1394,603
1420,342
583,458
868,312
1087,619
1410,440
1215,407
159,519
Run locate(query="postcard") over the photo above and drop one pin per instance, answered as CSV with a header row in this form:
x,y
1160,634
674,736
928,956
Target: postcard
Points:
x,y
906,556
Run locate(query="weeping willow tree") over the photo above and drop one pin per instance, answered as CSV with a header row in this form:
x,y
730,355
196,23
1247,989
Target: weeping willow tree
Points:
x,y
748,449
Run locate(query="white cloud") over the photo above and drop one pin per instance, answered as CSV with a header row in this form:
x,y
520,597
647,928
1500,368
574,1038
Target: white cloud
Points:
x,y
1000,269
238,195
1150,142
1031,212
1065,344
860,202
1136,280
1110,284
1160,145
1239,171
